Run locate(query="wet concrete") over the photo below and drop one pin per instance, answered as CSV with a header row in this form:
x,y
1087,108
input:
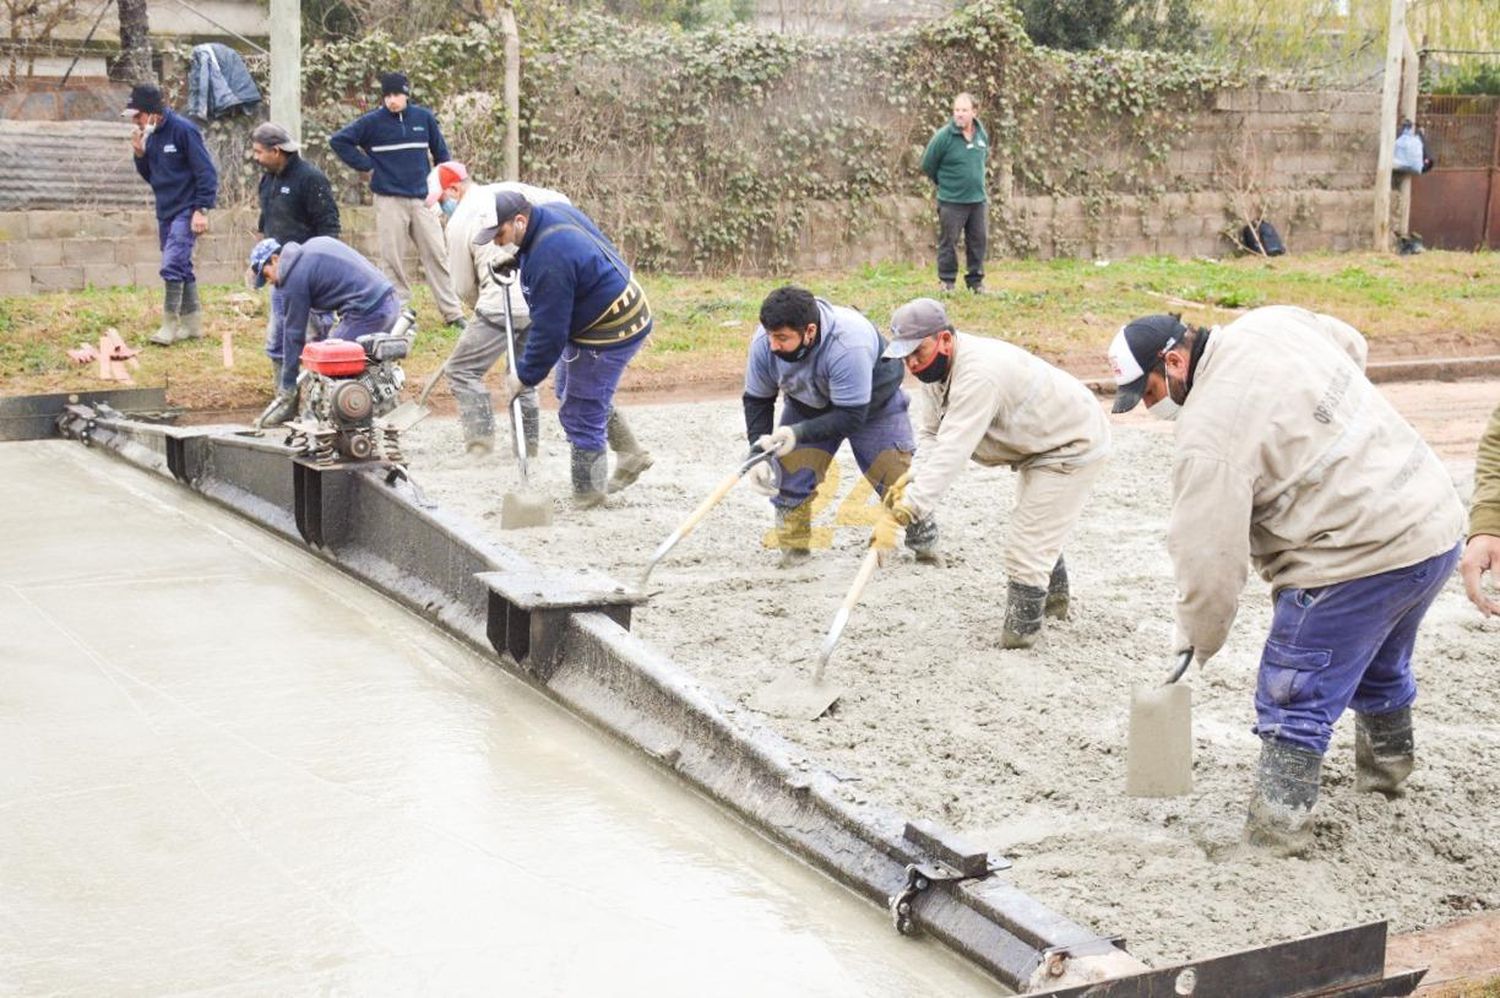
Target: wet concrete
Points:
x,y
228,768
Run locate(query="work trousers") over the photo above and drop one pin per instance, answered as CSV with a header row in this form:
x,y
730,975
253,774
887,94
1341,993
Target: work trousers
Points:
x,y
1345,645
380,319
176,237
585,381
399,222
972,222
882,446
1049,499
318,324
479,349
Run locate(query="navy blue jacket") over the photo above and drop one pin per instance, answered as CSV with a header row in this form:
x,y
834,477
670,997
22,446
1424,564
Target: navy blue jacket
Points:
x,y
570,277
395,147
178,167
326,275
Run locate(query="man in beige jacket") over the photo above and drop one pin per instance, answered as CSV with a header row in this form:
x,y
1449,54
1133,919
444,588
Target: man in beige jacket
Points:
x,y
1287,457
995,403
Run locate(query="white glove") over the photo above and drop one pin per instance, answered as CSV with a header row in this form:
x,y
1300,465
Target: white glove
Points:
x,y
780,441
764,479
513,384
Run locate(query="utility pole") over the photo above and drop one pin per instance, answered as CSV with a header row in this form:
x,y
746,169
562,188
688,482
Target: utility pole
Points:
x,y
512,94
286,66
1390,96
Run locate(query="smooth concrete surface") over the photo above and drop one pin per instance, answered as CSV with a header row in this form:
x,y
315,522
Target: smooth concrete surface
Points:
x,y
226,768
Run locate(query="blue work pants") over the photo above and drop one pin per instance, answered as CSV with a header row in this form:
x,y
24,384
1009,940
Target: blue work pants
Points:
x,y
176,237
882,446
585,383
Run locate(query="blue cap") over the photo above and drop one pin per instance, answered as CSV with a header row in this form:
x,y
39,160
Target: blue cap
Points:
x,y
263,251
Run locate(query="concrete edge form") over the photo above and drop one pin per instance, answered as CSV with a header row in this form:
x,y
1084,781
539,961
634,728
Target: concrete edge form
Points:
x,y
372,521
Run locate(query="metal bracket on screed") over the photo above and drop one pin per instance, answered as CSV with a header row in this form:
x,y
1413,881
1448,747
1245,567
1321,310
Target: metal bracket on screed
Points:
x,y
956,860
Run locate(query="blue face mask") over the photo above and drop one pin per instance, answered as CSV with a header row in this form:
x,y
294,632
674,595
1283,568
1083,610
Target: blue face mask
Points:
x,y
448,205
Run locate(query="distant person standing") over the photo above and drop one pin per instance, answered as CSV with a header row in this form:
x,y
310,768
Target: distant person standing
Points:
x,y
296,204
954,161
398,143
171,157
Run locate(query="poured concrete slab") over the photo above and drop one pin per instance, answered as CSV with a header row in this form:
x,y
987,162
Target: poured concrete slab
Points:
x,y
229,767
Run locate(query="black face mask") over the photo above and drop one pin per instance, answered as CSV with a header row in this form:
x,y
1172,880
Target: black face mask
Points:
x,y
804,347
936,370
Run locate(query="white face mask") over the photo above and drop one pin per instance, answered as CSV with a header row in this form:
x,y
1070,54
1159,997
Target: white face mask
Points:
x,y
148,129
1165,408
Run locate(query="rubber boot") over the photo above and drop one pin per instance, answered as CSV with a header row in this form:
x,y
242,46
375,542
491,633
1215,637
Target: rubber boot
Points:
x,y
631,458
1057,591
171,316
531,428
275,375
1023,615
590,471
476,418
1280,818
190,326
1384,751
794,534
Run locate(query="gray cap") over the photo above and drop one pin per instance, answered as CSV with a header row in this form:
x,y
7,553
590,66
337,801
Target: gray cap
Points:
x,y
914,322
274,136
508,204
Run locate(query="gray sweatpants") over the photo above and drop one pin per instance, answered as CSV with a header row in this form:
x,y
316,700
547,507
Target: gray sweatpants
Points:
x,y
479,348
399,222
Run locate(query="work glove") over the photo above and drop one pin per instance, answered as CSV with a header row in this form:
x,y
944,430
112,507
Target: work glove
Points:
x,y
282,408
503,269
765,478
513,384
894,498
780,441
922,537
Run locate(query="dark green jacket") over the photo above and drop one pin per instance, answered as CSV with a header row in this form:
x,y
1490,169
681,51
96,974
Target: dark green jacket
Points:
x,y
957,166
1484,514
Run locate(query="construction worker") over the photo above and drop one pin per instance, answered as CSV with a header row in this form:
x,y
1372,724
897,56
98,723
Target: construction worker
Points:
x,y
826,361
1287,457
587,311
954,161
469,207
996,404
1482,553
323,275
171,157
393,143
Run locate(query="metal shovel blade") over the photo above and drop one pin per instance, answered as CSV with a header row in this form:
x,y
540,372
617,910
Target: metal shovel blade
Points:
x,y
1159,752
519,510
793,696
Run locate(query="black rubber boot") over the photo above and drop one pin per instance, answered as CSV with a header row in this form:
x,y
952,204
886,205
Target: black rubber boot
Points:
x,y
1384,751
590,471
794,534
631,459
171,316
1280,818
476,417
1057,591
1023,615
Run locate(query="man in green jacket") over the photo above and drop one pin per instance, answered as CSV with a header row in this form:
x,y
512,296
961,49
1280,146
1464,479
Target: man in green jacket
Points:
x,y
954,161
1482,553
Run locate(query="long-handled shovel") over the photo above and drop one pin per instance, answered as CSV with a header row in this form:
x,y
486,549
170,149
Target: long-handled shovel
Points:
x,y
791,696
523,508
1159,753
686,526
409,414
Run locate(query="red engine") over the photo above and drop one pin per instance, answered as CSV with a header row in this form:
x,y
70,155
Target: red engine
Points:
x,y
334,358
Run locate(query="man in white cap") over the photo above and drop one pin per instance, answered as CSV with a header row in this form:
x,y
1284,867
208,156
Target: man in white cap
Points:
x,y
994,403
1288,458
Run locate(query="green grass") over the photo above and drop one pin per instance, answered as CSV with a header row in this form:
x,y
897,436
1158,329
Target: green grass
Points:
x,y
1065,310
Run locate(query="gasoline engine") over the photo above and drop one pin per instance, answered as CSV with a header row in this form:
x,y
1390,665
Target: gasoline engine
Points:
x,y
343,387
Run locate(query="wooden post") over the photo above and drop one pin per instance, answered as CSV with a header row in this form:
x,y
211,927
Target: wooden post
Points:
x,y
1389,99
512,94
286,66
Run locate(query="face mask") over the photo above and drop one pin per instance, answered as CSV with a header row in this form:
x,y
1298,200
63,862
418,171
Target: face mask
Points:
x,y
937,367
448,205
804,347
1165,409
148,129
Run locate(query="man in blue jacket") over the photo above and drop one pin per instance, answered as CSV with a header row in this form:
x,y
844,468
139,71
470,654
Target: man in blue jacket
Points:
x,y
398,143
588,312
321,275
171,157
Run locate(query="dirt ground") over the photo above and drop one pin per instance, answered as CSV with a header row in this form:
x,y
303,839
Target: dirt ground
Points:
x,y
1023,751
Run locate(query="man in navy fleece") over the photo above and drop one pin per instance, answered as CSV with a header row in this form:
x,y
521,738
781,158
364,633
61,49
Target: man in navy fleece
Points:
x,y
393,143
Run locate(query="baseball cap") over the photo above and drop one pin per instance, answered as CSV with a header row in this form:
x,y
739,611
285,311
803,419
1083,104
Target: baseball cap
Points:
x,y
274,136
914,322
1134,352
508,204
263,251
145,98
444,175
394,83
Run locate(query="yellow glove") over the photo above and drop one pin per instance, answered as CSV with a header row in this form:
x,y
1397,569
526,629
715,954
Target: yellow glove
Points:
x,y
895,500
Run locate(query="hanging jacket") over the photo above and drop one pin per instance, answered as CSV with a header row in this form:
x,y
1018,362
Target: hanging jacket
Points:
x,y
297,203
394,148
178,167
219,83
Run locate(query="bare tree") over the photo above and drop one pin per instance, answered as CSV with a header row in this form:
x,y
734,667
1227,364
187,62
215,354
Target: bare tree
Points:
x,y
135,43
30,24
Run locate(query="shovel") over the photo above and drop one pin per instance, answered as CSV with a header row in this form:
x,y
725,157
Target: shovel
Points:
x,y
523,508
1159,753
790,695
409,414
686,526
